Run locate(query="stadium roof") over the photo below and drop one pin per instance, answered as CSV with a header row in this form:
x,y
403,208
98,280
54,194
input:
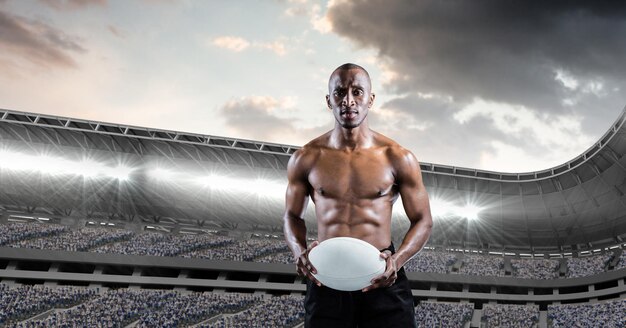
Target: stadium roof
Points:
x,y
576,205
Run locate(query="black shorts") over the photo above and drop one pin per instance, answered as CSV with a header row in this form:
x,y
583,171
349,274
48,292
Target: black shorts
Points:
x,y
382,307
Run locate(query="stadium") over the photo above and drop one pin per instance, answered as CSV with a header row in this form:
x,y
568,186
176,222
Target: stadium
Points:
x,y
127,226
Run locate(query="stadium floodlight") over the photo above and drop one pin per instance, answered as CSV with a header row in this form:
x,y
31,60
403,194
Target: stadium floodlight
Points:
x,y
17,162
87,168
60,166
259,186
440,208
161,174
119,172
470,212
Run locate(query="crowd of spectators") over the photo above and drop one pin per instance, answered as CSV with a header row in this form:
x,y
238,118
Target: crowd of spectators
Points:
x,y
282,257
610,314
428,261
75,240
431,314
114,308
208,246
280,311
482,265
161,244
186,310
535,268
19,303
587,266
90,307
85,307
243,250
13,232
510,315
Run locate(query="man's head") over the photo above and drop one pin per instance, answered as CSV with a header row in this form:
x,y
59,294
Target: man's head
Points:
x,y
350,95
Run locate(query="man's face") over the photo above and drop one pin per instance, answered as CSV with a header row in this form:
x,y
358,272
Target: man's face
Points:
x,y
350,97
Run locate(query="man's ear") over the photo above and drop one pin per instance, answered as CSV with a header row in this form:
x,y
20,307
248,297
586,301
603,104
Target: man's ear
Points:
x,y
328,102
371,102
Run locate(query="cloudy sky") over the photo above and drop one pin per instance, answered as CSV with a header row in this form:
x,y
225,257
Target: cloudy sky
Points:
x,y
512,86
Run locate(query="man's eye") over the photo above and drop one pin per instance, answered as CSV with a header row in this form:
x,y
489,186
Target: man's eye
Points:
x,y
358,92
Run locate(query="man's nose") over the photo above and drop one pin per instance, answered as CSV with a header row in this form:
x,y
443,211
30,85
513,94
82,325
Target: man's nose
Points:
x,y
348,100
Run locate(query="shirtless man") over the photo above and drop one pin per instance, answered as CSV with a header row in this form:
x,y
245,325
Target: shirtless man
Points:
x,y
354,175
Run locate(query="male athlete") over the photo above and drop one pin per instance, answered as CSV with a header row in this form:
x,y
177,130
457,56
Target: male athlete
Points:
x,y
354,175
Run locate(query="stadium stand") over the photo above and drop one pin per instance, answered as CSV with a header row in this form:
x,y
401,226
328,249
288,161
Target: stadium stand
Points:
x,y
587,266
611,314
14,232
74,240
439,314
161,244
22,302
430,261
556,210
510,315
282,311
535,268
482,265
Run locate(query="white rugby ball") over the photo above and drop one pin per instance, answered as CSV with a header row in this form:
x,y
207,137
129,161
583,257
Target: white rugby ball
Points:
x,y
346,263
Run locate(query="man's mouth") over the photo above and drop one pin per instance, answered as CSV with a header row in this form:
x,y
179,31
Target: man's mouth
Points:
x,y
349,114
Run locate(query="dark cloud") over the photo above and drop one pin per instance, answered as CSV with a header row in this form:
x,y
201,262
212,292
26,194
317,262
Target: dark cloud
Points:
x,y
254,118
73,4
35,42
504,51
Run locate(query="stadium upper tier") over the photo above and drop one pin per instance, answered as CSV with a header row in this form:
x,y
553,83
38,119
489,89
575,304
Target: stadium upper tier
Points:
x,y
220,181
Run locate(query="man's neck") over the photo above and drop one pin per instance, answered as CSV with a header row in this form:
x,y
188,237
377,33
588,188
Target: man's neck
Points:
x,y
351,139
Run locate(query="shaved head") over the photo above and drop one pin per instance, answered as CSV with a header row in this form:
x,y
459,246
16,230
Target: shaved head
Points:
x,y
347,67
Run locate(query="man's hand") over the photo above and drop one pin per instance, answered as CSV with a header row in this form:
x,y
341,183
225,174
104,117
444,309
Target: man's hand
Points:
x,y
304,266
388,277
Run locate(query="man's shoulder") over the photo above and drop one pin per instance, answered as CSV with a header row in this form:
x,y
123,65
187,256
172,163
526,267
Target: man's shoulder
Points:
x,y
314,146
393,149
310,151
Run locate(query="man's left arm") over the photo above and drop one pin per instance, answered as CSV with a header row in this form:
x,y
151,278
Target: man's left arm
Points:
x,y
417,208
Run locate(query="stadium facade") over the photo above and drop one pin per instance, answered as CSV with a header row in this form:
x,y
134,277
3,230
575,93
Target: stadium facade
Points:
x,y
573,210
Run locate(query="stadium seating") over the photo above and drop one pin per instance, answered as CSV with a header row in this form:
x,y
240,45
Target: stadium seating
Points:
x,y
429,261
587,266
611,314
270,250
535,268
482,265
452,315
510,315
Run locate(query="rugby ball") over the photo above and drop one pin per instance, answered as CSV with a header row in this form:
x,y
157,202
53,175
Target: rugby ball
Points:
x,y
346,263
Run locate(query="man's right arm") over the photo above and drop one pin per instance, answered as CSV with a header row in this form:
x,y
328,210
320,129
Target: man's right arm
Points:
x,y
296,200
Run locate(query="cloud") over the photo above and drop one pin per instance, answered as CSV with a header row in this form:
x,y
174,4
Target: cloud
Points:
x,y
512,52
264,118
232,43
116,32
238,44
73,4
525,71
32,43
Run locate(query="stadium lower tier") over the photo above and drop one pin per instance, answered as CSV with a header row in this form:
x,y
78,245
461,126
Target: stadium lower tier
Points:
x,y
274,250
26,306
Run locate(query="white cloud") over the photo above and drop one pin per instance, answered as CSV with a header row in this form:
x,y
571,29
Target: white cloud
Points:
x,y
561,134
239,44
277,47
321,23
233,43
566,79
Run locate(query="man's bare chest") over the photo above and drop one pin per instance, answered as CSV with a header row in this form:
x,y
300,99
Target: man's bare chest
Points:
x,y
356,175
